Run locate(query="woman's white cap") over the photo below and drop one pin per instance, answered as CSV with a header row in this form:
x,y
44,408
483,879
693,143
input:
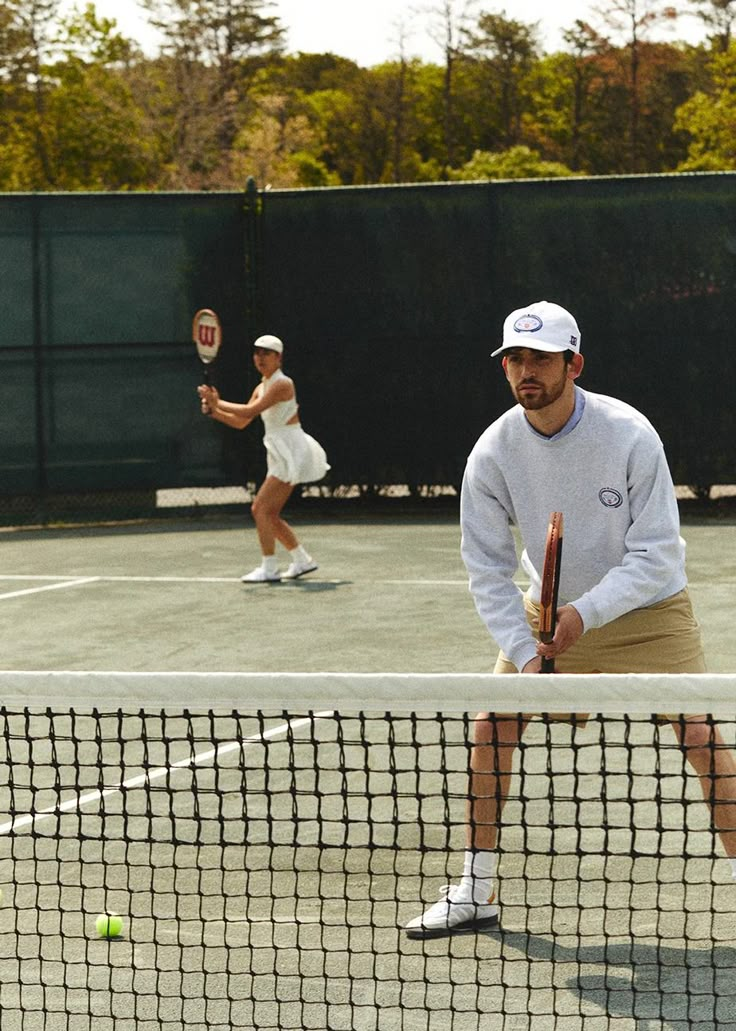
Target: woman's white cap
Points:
x,y
270,343
542,326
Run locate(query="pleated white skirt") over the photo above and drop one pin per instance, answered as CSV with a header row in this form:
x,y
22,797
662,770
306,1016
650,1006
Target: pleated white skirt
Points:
x,y
293,456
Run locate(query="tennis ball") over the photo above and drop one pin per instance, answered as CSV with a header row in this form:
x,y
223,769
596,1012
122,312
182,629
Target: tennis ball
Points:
x,y
109,925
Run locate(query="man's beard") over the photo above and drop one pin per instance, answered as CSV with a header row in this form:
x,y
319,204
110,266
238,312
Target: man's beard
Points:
x,y
543,397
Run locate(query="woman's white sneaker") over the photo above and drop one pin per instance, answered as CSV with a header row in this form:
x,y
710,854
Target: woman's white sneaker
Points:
x,y
261,576
299,569
456,911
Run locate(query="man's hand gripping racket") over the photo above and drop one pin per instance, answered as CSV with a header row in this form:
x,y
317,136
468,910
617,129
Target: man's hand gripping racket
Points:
x,y
550,585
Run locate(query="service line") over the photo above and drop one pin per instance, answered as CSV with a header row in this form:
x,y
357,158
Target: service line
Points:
x,y
50,587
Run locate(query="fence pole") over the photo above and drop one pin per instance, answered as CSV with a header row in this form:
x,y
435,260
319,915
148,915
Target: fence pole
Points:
x,y
251,208
38,358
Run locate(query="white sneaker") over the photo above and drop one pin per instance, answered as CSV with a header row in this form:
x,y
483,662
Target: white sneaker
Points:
x,y
299,569
261,576
456,911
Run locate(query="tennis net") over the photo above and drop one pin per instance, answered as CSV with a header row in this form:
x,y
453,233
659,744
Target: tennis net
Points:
x,y
266,837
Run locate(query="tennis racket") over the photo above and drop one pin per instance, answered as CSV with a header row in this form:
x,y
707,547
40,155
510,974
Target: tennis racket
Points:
x,y
207,337
550,585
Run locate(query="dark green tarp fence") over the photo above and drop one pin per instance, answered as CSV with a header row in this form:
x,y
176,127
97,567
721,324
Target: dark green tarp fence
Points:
x,y
389,300
97,295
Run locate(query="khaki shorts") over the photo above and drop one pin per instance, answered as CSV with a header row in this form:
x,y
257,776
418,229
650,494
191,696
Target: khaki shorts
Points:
x,y
663,638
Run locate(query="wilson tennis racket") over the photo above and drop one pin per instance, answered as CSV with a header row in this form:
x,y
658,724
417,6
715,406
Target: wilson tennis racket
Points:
x,y
207,337
550,585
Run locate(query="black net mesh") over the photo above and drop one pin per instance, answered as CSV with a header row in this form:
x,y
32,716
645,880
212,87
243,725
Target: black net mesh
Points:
x,y
265,864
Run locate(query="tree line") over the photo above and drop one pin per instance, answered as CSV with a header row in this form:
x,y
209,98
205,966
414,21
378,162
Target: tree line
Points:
x,y
85,108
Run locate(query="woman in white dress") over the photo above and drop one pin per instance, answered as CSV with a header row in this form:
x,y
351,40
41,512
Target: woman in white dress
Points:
x,y
292,457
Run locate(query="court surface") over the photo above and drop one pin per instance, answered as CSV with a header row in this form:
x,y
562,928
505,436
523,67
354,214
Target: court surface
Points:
x,y
275,922
390,595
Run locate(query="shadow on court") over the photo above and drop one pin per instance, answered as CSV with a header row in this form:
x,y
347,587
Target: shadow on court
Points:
x,y
666,987
306,586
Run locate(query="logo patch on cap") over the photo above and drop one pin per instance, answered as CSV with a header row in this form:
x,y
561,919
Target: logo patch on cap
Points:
x,y
528,324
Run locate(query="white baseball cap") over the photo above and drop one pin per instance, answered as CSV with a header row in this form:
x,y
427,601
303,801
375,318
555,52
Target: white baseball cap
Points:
x,y
269,343
542,326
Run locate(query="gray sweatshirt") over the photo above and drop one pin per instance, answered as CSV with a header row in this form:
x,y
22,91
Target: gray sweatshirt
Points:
x,y
609,477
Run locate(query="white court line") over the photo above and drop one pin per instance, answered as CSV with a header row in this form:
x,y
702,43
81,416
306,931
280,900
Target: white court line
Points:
x,y
132,579
171,579
228,580
49,587
76,802
223,580
34,576
285,583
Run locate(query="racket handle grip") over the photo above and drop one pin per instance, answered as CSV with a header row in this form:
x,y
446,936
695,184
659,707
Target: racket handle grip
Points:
x,y
206,371
548,665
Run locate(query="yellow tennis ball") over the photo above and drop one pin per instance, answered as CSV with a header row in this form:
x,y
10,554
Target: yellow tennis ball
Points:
x,y
109,925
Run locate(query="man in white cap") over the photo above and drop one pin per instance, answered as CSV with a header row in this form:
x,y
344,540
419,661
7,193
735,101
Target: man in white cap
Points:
x,y
623,600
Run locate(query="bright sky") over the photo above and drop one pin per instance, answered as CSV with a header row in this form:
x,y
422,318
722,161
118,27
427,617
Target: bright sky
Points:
x,y
366,30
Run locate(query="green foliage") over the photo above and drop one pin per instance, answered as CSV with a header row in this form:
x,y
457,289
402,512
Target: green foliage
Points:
x,y
310,171
217,32
84,37
516,163
95,134
709,119
277,146
76,126
85,109
504,52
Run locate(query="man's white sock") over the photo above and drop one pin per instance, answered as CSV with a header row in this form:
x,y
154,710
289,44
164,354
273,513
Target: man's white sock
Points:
x,y
478,873
733,867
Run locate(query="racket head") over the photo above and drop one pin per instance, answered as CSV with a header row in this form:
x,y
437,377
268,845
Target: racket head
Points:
x,y
206,335
550,583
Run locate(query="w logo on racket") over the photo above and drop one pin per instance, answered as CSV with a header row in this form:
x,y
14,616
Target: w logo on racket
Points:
x,y
207,336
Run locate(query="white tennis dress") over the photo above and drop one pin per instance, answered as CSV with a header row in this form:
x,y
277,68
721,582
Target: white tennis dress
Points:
x,y
291,454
